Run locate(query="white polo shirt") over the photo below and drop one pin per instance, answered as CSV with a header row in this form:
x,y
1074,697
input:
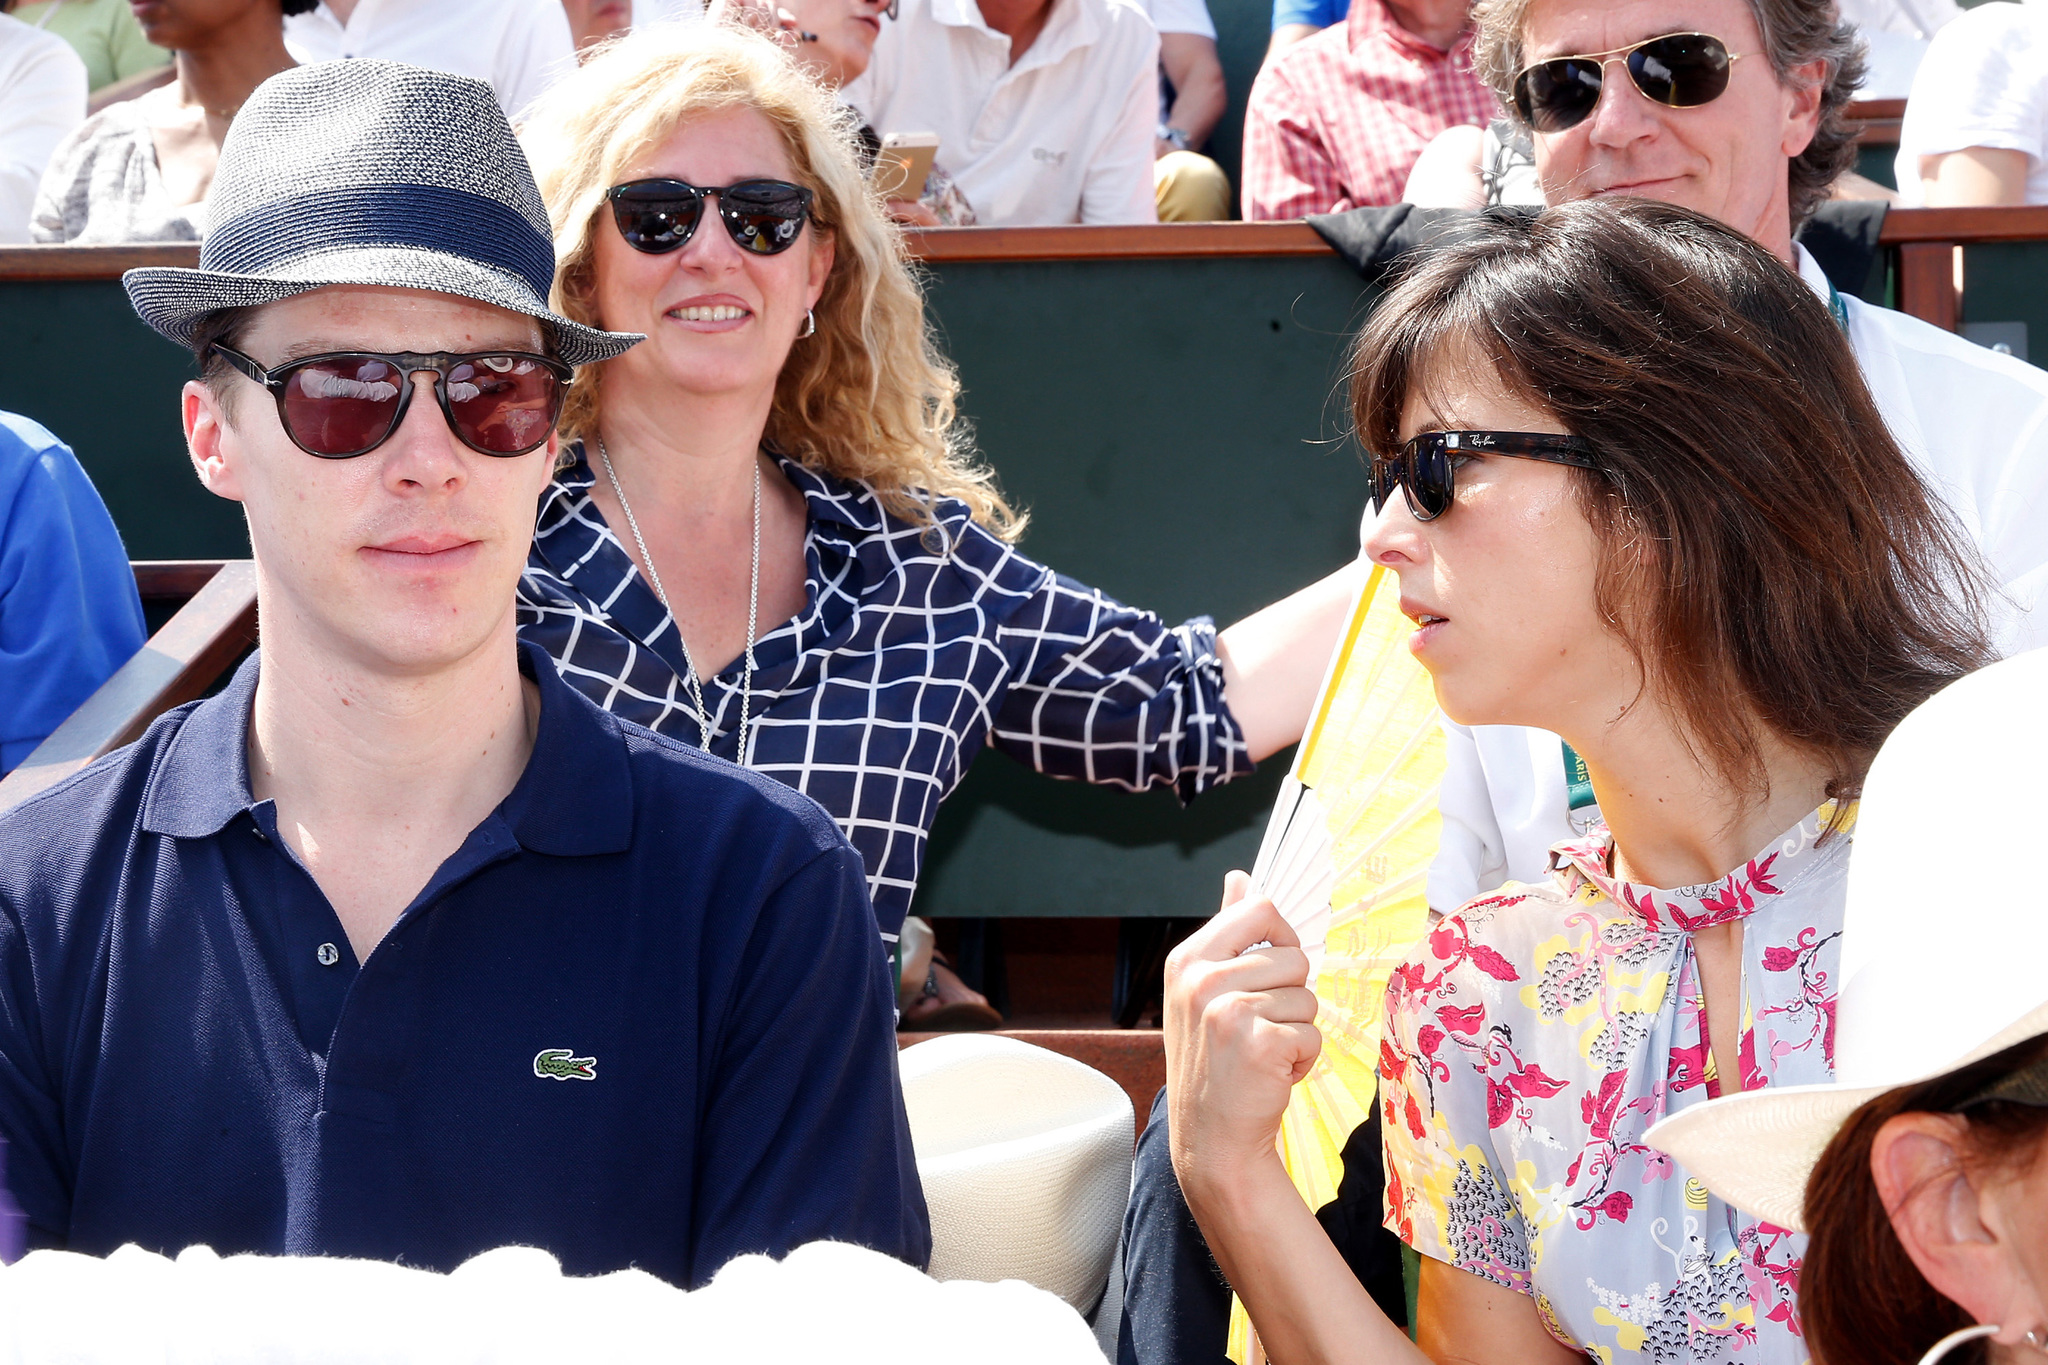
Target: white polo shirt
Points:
x,y
42,98
1975,425
1064,136
519,46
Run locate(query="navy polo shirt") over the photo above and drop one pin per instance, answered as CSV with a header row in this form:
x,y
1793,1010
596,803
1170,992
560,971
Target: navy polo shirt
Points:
x,y
637,1019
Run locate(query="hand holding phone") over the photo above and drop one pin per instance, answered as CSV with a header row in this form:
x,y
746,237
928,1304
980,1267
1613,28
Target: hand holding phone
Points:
x,y
904,163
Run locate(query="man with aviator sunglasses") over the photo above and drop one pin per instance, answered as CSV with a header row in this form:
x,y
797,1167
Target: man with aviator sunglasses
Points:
x,y
399,947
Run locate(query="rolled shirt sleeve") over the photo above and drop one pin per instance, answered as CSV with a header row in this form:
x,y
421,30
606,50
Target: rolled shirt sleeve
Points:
x,y
1105,693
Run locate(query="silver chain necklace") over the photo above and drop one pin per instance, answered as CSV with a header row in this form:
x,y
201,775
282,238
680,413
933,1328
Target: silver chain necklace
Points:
x,y
753,607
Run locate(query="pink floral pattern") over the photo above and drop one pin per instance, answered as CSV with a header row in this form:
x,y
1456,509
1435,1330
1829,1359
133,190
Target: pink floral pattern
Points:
x,y
1535,1035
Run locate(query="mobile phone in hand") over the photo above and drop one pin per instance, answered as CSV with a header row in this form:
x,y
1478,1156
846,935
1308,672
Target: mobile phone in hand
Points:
x,y
903,164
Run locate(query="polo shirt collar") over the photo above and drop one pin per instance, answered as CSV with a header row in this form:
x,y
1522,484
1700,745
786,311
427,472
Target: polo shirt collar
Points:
x,y
1072,24
202,781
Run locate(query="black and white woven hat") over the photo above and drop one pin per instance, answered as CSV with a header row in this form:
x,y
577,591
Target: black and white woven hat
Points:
x,y
367,172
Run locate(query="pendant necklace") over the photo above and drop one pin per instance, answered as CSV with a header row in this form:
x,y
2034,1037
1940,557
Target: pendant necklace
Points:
x,y
753,607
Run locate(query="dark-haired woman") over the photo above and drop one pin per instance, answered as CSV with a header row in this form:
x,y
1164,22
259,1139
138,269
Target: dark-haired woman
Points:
x,y
139,171
1921,1175
1637,495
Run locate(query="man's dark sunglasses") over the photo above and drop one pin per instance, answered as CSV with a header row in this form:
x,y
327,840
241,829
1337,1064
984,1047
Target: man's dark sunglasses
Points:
x,y
347,403
659,216
1426,468
1681,70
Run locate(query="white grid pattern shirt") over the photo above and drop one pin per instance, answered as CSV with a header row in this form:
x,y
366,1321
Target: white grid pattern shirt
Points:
x,y
906,660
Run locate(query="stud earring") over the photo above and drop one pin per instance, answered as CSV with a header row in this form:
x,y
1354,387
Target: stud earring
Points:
x,y
810,324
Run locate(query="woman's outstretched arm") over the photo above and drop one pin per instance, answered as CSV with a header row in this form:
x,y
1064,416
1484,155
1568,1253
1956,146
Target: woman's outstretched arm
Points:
x,y
1240,1031
1273,660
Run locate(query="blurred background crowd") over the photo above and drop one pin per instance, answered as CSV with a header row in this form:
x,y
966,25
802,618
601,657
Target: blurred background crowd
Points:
x,y
1034,111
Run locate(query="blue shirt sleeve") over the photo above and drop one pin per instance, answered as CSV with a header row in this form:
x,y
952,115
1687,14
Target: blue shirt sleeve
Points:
x,y
69,612
1321,13
794,1147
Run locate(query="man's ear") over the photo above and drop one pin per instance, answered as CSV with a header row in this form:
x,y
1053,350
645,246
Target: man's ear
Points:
x,y
1944,1214
1804,86
207,436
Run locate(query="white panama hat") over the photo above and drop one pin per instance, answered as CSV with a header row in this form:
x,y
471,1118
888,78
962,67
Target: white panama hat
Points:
x,y
1025,1157
370,172
1944,939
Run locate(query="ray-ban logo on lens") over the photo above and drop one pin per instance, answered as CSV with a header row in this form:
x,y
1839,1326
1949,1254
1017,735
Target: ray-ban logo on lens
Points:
x,y
562,1064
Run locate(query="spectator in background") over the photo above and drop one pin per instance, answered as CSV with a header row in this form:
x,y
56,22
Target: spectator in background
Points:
x,y
140,171
1338,120
69,612
1896,34
593,21
1976,128
1187,186
103,32
1045,112
42,99
834,40
519,46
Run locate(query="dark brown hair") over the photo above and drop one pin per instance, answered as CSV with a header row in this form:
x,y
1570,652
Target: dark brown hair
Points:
x,y
1767,553
1862,1301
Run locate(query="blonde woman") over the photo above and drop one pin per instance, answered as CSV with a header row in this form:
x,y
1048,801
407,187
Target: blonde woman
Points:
x,y
769,536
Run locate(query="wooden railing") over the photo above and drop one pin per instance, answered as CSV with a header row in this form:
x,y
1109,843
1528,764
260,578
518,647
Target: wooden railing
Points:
x,y
1924,240
1877,121
180,662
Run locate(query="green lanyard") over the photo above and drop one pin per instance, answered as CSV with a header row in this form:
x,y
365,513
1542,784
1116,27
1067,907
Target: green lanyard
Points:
x,y
1837,307
1578,783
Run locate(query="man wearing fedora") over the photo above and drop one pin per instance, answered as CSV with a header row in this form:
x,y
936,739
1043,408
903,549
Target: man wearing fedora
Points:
x,y
397,947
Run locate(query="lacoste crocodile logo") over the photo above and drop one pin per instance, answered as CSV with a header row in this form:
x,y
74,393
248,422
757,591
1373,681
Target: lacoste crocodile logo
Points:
x,y
562,1064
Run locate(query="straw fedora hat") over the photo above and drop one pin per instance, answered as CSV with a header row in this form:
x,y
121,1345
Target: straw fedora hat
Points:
x,y
369,172
1942,944
1025,1157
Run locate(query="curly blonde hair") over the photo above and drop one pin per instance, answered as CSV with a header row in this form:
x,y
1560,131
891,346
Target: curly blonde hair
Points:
x,y
870,396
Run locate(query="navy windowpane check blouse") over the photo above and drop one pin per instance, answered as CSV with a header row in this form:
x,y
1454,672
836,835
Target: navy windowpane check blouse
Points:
x,y
906,659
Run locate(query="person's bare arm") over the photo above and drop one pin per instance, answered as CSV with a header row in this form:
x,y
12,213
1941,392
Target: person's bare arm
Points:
x,y
1461,1318
1196,74
1286,36
1446,175
1240,1032
1274,659
1974,176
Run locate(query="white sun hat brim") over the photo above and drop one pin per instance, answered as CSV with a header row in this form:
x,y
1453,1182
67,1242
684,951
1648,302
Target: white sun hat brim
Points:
x,y
1941,944
1757,1149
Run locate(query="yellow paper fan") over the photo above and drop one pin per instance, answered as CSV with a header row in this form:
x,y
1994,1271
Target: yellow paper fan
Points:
x,y
1345,859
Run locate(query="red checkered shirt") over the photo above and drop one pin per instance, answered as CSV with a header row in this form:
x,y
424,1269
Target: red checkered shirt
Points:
x,y
1338,119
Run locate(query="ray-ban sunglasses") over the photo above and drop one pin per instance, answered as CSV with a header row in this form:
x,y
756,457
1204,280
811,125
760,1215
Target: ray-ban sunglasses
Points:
x,y
1679,70
1426,468
342,404
661,215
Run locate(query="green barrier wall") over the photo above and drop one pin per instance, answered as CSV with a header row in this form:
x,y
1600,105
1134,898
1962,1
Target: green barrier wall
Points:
x,y
1173,427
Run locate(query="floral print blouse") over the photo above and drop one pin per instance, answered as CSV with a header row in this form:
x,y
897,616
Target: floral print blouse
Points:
x,y
1535,1035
